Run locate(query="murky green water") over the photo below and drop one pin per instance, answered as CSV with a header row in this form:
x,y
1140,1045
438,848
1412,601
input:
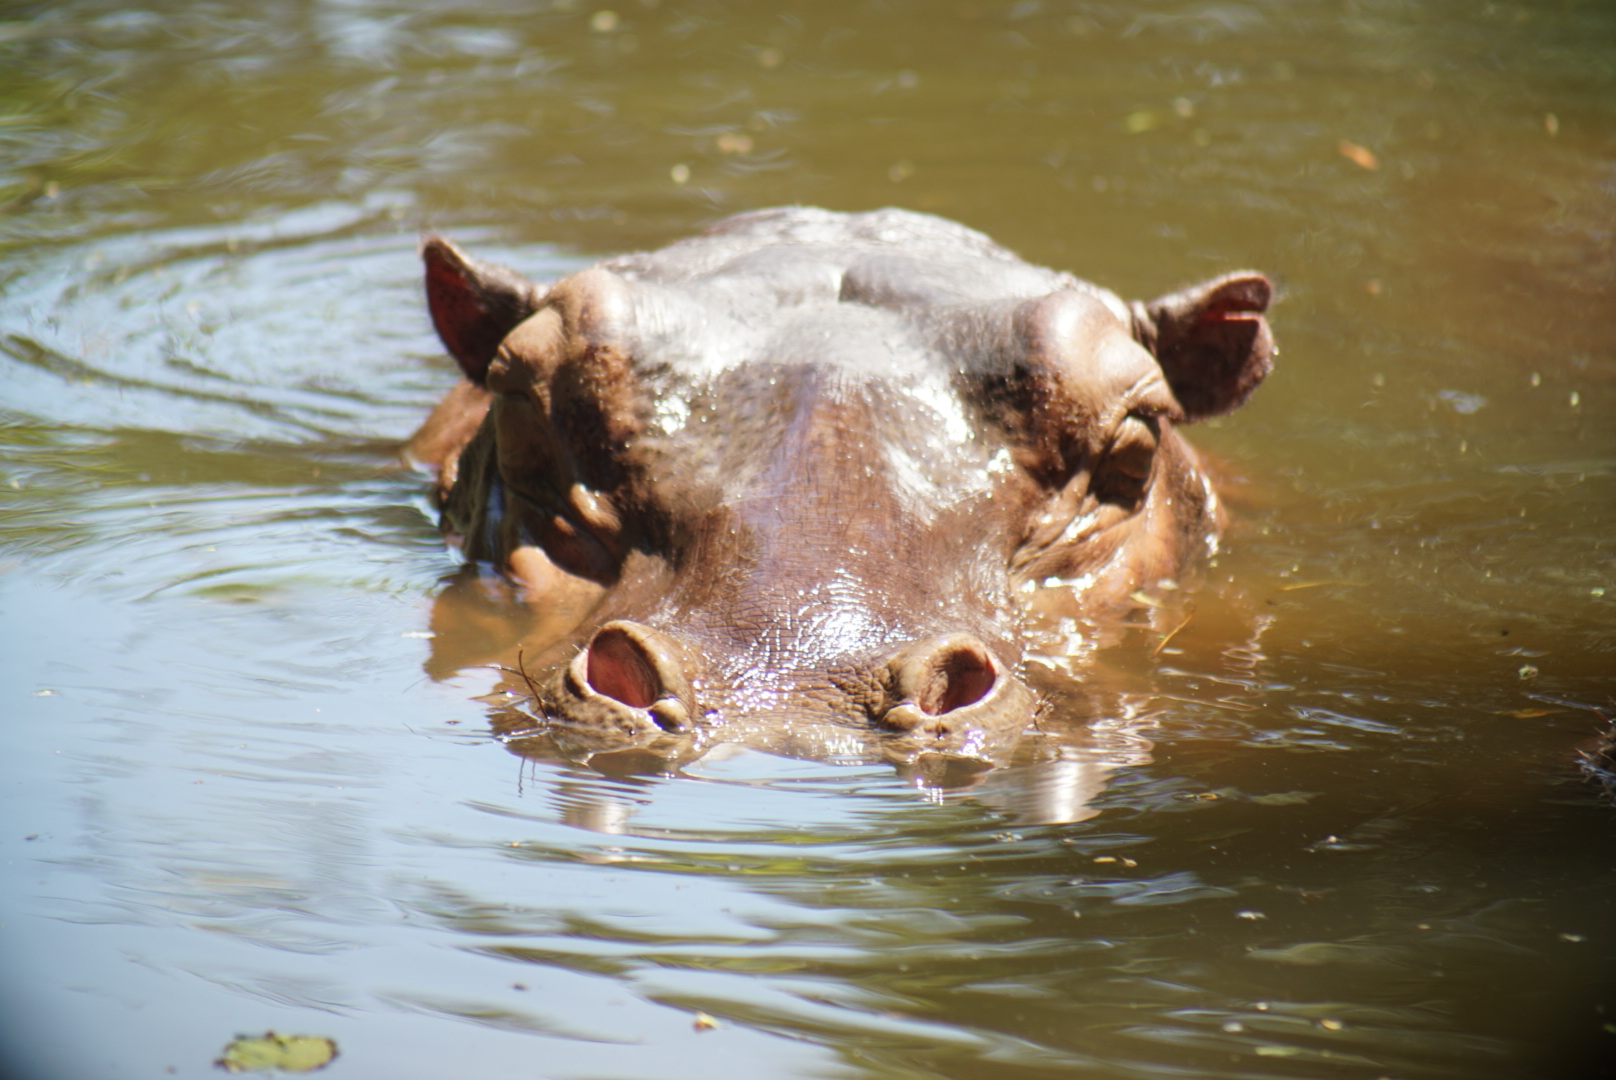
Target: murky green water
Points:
x,y
1335,829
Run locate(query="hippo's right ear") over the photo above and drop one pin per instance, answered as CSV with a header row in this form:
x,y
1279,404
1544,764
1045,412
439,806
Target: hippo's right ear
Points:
x,y
1211,341
474,304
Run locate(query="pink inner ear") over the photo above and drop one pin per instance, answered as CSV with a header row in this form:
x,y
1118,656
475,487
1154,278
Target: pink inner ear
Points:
x,y
618,669
1241,298
454,309
1213,343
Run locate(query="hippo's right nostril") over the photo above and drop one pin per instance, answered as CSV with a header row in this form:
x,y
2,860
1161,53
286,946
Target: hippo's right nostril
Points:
x,y
932,680
633,670
961,672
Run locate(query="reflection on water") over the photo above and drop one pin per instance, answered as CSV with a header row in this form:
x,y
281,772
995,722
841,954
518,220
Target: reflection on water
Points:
x,y
1334,827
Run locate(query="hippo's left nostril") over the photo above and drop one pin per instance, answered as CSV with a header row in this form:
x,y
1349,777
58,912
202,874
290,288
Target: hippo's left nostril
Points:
x,y
631,670
620,669
961,672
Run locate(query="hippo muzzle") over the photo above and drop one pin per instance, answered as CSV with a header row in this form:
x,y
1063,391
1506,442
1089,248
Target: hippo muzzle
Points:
x,y
636,680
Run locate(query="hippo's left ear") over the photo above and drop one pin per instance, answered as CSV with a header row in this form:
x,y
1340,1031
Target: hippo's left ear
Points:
x,y
1211,341
474,304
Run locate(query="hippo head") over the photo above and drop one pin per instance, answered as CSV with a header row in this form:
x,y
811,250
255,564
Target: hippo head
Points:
x,y
811,468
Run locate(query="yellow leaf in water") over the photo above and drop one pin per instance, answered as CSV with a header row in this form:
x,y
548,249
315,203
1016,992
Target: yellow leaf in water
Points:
x,y
1361,156
287,1053
1141,121
1532,714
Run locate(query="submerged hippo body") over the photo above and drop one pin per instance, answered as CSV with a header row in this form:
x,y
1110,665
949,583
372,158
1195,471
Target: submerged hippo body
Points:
x,y
812,467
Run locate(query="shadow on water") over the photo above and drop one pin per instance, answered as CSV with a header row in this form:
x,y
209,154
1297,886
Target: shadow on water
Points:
x,y
1335,827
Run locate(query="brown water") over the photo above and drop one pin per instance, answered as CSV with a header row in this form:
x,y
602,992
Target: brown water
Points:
x,y
1335,829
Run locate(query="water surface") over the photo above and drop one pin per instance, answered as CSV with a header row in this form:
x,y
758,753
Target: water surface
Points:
x,y
1336,828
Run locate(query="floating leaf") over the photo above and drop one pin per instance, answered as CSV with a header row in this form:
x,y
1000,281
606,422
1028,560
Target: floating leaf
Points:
x,y
1141,121
287,1053
1361,156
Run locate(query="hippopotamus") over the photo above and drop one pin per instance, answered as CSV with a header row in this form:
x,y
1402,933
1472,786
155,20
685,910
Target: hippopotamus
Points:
x,y
810,467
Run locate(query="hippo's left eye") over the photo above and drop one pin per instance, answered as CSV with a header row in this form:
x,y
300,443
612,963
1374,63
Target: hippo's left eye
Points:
x,y
1124,472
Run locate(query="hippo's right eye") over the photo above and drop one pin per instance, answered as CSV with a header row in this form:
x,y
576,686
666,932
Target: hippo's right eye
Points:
x,y
1124,473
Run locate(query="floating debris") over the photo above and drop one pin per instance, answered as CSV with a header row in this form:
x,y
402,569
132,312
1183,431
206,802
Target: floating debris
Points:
x,y
1162,644
1598,760
1141,121
1361,156
286,1053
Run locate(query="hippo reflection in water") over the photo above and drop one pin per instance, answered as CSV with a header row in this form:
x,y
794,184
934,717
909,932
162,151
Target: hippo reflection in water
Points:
x,y
810,467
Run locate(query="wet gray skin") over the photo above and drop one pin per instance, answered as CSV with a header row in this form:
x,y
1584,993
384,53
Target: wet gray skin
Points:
x,y
810,467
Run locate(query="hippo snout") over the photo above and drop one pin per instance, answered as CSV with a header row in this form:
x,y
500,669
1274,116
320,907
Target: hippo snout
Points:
x,y
637,680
